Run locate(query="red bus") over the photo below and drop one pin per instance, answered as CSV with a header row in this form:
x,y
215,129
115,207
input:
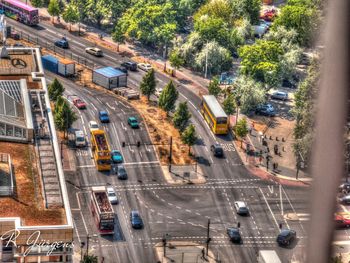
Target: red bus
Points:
x,y
20,11
102,210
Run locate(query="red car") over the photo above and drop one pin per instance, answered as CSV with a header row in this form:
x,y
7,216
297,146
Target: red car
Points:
x,y
79,103
268,15
342,219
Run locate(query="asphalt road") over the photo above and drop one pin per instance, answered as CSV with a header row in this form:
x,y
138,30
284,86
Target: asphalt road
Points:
x,y
180,211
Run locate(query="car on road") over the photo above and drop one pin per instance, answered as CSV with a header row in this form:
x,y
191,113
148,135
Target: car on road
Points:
x,y
345,187
121,172
279,95
80,104
345,200
132,66
103,116
241,208
342,219
132,121
266,110
217,150
234,234
94,51
117,157
93,125
286,237
144,66
62,43
136,220
112,197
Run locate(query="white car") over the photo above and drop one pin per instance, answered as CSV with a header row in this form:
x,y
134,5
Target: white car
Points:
x,y
93,125
158,92
94,51
112,197
144,66
241,208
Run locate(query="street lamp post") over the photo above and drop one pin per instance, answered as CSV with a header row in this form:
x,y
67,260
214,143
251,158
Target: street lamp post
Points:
x,y
170,152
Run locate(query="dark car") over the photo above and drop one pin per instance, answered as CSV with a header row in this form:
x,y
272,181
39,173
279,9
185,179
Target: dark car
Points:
x,y
217,150
286,237
345,200
132,66
136,220
121,172
234,234
266,110
62,43
103,116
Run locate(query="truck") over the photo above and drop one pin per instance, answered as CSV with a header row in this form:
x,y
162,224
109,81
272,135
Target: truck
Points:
x,y
268,256
102,210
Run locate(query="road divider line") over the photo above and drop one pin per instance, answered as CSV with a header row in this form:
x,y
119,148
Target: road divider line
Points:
x,y
268,206
112,108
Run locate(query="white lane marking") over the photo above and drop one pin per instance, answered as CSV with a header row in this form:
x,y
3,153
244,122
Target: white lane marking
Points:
x,y
108,56
86,166
93,106
116,103
115,129
270,188
147,149
134,163
76,230
268,206
126,106
85,130
140,154
99,100
123,126
107,111
112,108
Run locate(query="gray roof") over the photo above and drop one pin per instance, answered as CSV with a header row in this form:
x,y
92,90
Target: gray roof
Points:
x,y
214,106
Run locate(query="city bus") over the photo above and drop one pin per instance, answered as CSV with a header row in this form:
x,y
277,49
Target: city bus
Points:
x,y
20,11
102,210
214,115
101,150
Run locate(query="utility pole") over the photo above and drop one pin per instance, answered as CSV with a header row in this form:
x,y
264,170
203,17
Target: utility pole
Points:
x,y
164,246
281,199
87,245
208,238
170,152
206,61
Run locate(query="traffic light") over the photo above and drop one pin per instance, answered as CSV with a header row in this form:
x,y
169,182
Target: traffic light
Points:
x,y
123,144
138,144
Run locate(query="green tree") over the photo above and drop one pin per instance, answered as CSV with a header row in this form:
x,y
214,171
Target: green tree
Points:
x,y
90,259
214,87
249,93
216,57
37,3
118,36
241,128
148,84
54,8
302,18
168,97
55,89
247,8
97,10
181,116
176,61
64,116
189,137
71,14
229,104
190,48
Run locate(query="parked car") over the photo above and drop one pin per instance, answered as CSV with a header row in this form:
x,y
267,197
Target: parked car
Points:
x,y
345,200
144,66
342,219
217,150
279,95
345,187
94,51
121,172
103,116
136,220
132,66
266,110
234,234
241,208
62,43
132,121
286,237
80,104
117,157
93,125
112,197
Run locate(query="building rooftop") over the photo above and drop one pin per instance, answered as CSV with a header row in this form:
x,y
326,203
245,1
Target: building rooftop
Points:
x,y
109,72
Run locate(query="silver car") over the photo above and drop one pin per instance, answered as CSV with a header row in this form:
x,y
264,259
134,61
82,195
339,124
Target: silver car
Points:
x,y
279,95
112,197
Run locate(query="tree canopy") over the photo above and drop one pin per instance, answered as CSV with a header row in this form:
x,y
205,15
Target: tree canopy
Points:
x,y
55,89
189,137
181,116
168,97
148,84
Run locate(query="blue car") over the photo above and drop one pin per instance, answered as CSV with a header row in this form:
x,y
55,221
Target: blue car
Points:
x,y
62,43
103,116
117,157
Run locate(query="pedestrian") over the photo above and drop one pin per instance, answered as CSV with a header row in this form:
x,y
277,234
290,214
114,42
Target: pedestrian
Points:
x,y
203,253
250,130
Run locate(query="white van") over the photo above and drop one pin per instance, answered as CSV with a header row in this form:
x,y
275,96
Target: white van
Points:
x,y
79,138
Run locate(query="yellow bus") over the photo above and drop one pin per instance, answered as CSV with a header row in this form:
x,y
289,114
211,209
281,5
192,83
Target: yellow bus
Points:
x,y
214,115
101,150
